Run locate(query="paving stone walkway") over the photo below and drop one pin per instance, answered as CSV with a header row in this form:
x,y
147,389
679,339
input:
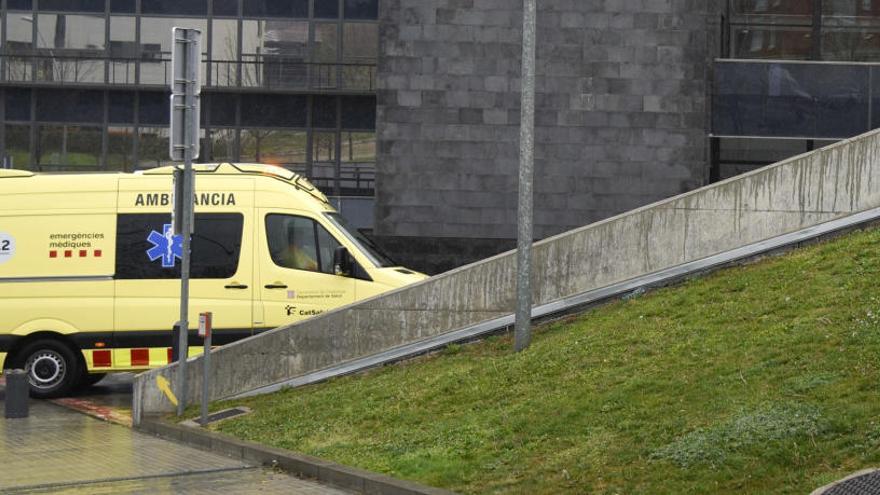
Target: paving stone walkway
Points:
x,y
56,450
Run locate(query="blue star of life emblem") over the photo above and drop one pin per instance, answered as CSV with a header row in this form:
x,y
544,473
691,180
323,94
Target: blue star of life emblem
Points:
x,y
166,246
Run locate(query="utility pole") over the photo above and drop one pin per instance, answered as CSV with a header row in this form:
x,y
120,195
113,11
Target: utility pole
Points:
x,y
523,318
184,146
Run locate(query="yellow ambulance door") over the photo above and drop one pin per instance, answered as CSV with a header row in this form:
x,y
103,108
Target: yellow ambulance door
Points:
x,y
149,259
295,264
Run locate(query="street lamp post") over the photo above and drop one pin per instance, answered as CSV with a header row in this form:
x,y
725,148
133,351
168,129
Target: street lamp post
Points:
x,y
523,318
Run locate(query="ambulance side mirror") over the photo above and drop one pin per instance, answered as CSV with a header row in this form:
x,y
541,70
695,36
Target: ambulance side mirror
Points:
x,y
342,261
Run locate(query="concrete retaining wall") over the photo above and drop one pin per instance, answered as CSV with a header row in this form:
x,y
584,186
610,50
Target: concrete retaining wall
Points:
x,y
803,191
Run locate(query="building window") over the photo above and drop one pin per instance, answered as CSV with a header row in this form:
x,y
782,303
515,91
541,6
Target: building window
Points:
x,y
325,49
357,171
18,104
18,146
846,30
49,149
175,7
273,110
358,112
71,48
758,42
285,148
275,146
324,159
123,49
224,52
774,7
83,146
851,8
62,147
324,112
327,9
122,6
156,47
276,8
20,5
121,107
789,99
72,5
361,9
19,46
152,147
274,53
153,108
740,155
120,148
222,107
226,8
58,105
360,47
222,145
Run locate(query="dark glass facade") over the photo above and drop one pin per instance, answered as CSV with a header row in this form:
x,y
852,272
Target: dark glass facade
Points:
x,y
788,100
84,85
792,76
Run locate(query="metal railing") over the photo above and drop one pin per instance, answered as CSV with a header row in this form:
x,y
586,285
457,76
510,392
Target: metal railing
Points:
x,y
355,179
155,69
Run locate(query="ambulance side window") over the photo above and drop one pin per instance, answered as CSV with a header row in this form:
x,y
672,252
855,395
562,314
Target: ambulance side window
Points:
x,y
327,244
145,248
300,243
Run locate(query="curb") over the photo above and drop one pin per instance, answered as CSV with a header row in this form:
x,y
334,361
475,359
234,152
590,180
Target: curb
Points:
x,y
299,465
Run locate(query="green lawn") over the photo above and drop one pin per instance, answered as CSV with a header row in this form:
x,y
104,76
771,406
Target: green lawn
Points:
x,y
755,379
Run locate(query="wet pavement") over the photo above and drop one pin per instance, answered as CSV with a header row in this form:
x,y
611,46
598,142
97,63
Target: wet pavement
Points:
x,y
58,450
109,399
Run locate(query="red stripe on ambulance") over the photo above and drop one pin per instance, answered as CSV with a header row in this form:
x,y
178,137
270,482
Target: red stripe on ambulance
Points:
x,y
83,253
101,359
140,357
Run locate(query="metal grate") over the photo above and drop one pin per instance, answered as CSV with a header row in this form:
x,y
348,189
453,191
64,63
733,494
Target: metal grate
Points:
x,y
227,413
866,484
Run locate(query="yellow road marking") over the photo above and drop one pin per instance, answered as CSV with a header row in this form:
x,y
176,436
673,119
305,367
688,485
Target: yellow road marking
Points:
x,y
165,387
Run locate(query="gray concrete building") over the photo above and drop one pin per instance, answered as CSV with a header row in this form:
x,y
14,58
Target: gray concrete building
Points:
x,y
406,112
621,117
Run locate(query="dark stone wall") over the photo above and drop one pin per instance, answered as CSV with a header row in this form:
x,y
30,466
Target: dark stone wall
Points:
x,y
621,112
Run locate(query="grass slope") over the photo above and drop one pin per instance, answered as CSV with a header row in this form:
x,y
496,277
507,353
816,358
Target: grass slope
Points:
x,y
755,379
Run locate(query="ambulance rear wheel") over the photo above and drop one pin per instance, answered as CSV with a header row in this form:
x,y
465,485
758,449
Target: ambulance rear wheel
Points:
x,y
52,368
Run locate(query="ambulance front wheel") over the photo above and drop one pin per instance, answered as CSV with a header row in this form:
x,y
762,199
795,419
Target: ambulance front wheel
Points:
x,y
51,367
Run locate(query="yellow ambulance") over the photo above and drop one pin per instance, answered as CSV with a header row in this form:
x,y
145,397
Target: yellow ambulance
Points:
x,y
90,270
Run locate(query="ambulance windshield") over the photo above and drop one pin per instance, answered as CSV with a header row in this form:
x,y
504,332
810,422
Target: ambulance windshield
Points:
x,y
369,248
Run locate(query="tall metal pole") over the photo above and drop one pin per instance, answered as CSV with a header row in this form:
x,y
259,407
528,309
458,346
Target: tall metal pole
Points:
x,y
188,185
523,319
190,128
